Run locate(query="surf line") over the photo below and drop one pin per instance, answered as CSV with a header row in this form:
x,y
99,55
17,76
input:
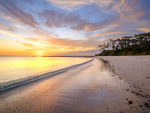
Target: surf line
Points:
x,y
24,81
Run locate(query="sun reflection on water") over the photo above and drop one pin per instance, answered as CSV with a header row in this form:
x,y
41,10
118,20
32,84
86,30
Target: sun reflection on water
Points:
x,y
12,68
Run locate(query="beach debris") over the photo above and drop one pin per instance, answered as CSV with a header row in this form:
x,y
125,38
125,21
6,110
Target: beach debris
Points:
x,y
147,77
139,94
135,93
126,98
130,102
127,89
140,105
147,105
140,90
143,109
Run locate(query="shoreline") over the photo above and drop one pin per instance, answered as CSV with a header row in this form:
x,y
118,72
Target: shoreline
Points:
x,y
9,85
92,87
134,69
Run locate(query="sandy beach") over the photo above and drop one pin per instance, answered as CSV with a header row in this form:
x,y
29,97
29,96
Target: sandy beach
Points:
x,y
104,85
134,69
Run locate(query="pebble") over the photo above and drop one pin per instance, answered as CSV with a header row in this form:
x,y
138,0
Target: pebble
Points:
x,y
130,102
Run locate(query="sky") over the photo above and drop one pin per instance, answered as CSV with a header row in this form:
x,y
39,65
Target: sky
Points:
x,y
68,27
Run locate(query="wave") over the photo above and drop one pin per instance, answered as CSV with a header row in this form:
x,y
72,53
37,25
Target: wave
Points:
x,y
24,81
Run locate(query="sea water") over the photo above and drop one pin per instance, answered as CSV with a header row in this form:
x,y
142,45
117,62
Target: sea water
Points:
x,y
13,68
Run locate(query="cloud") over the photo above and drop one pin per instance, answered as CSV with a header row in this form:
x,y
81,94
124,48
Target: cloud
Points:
x,y
51,43
73,44
108,33
4,40
8,7
7,27
26,44
143,29
131,10
80,53
2,15
9,33
36,47
91,28
52,18
63,19
72,5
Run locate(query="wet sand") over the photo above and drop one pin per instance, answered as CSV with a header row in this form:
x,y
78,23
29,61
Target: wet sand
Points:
x,y
93,87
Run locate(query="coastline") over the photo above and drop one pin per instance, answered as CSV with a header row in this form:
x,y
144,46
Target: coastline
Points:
x,y
135,70
91,87
24,81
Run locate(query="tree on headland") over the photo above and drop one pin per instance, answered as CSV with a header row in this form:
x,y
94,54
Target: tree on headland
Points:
x,y
127,45
112,43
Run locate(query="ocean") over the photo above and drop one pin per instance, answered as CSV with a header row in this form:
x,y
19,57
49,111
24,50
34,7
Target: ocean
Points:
x,y
16,71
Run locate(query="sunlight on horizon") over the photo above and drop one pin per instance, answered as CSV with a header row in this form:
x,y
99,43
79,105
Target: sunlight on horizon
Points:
x,y
40,54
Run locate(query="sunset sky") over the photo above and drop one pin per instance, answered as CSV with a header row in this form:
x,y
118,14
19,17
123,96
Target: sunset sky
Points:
x,y
68,27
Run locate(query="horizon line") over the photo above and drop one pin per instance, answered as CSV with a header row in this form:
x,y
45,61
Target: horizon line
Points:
x,y
39,56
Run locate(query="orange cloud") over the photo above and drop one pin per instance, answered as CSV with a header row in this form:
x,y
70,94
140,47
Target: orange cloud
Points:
x,y
122,1
91,28
58,45
143,29
8,33
73,44
71,5
108,33
17,37
26,44
130,10
132,16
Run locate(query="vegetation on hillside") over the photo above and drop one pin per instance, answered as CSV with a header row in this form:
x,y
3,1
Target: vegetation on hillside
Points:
x,y
127,45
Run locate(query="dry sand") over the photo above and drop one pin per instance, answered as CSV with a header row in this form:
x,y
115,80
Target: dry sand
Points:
x,y
92,87
134,69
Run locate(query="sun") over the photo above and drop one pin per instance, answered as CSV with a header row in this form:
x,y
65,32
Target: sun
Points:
x,y
40,54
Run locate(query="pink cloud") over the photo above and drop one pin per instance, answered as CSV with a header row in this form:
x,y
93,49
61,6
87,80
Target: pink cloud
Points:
x,y
13,11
